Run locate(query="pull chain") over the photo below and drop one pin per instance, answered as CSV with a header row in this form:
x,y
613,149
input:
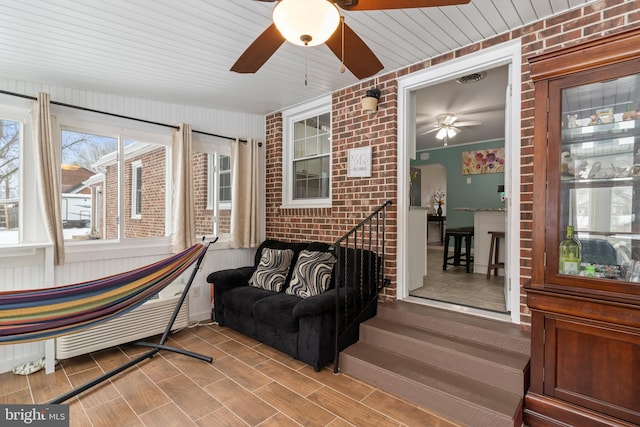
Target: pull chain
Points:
x,y
305,39
342,67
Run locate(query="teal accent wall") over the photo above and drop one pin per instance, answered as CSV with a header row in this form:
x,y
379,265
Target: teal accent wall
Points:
x,y
482,192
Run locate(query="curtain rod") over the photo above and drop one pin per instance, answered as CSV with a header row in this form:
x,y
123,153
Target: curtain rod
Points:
x,y
77,107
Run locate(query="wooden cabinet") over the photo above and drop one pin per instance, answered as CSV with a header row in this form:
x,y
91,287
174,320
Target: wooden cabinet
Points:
x,y
585,336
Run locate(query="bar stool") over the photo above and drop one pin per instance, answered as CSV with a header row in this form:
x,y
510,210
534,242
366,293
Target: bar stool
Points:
x,y
495,244
458,234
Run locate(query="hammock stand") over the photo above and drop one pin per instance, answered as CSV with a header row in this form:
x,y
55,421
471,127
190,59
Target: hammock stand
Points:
x,y
155,347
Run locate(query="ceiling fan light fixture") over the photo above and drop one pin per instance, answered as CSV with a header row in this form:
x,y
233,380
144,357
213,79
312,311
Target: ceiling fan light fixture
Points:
x,y
306,22
446,132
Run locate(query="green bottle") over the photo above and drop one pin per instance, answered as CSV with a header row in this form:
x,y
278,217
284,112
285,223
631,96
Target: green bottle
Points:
x,y
569,254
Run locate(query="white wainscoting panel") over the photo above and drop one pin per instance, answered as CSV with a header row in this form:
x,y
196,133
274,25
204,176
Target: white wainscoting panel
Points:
x,y
23,268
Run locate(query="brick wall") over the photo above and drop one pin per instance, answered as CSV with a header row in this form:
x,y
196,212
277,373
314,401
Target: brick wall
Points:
x,y
152,213
354,198
152,219
204,216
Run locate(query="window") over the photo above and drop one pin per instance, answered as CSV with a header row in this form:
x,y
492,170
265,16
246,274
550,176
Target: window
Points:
x,y
307,152
212,187
10,145
224,176
136,189
108,175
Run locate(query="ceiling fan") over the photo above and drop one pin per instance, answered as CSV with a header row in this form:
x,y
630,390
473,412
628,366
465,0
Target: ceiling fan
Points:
x,y
447,126
313,22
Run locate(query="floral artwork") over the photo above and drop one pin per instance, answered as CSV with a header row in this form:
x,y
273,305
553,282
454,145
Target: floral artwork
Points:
x,y
483,161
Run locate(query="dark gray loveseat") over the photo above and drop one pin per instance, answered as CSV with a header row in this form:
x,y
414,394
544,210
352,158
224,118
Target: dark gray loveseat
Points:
x,y
304,328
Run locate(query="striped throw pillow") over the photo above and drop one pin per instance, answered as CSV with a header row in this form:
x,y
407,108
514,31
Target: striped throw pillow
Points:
x,y
312,274
272,271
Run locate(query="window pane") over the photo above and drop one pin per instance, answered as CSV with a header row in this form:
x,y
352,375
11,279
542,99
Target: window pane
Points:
x,y
224,211
136,188
225,178
9,181
213,216
204,191
311,136
149,184
89,167
311,178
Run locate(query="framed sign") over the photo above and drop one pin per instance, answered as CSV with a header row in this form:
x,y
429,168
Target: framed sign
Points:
x,y
359,162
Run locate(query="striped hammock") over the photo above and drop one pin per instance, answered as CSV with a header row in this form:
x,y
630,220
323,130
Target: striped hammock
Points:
x,y
36,314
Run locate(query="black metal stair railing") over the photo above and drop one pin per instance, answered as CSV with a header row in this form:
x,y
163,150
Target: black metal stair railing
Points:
x,y
359,276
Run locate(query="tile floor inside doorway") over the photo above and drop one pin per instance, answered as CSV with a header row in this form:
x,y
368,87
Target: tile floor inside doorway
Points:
x,y
457,286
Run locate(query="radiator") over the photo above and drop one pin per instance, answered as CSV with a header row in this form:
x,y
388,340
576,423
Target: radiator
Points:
x,y
149,319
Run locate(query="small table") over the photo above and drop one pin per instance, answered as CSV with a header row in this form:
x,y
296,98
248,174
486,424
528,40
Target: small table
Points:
x,y
440,219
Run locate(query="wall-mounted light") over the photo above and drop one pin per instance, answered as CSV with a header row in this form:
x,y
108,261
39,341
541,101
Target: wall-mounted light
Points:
x,y
370,101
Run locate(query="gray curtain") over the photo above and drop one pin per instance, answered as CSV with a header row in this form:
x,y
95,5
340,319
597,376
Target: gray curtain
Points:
x,y
244,197
48,165
184,220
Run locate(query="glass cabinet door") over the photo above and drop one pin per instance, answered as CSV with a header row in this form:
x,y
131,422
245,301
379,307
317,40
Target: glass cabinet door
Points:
x,y
599,180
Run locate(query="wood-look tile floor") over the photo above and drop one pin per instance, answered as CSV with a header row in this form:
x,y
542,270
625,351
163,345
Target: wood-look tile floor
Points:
x,y
247,384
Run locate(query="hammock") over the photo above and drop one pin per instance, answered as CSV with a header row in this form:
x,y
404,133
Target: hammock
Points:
x,y
37,314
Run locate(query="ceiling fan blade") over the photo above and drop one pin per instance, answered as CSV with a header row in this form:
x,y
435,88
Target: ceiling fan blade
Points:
x,y
469,123
428,131
358,58
259,51
394,4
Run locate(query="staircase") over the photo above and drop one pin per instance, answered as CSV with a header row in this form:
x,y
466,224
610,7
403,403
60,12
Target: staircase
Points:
x,y
471,370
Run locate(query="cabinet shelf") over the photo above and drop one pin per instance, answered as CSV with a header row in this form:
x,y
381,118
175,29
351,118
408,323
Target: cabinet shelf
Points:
x,y
572,182
615,130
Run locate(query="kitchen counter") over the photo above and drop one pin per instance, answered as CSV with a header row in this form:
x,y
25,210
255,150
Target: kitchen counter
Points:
x,y
480,209
485,220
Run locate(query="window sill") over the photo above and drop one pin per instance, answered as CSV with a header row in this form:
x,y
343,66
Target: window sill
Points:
x,y
102,250
22,249
316,212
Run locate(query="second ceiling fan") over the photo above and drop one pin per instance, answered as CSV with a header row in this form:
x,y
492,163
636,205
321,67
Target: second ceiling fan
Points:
x,y
447,126
313,22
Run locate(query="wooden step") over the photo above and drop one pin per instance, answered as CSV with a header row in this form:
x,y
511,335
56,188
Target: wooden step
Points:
x,y
489,332
472,370
501,368
452,396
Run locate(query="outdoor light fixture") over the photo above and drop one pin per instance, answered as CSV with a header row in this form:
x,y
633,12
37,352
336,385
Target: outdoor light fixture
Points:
x,y
370,101
306,22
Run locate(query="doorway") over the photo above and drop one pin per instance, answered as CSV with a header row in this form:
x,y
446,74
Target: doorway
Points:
x,y
413,154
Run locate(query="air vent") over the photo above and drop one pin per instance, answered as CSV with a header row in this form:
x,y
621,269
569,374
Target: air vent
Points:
x,y
471,78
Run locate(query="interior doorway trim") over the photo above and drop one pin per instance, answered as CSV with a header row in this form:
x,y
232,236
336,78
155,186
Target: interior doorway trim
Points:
x,y
503,54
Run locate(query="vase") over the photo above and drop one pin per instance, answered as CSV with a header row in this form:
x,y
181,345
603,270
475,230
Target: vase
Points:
x,y
439,211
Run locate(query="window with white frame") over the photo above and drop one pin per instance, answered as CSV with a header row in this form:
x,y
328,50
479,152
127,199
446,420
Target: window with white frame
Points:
x,y
136,189
10,148
224,177
212,185
307,154
114,184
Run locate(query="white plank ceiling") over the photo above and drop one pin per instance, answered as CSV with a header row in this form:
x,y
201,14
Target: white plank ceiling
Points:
x,y
181,52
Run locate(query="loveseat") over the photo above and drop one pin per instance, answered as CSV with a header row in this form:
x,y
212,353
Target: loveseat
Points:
x,y
298,316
